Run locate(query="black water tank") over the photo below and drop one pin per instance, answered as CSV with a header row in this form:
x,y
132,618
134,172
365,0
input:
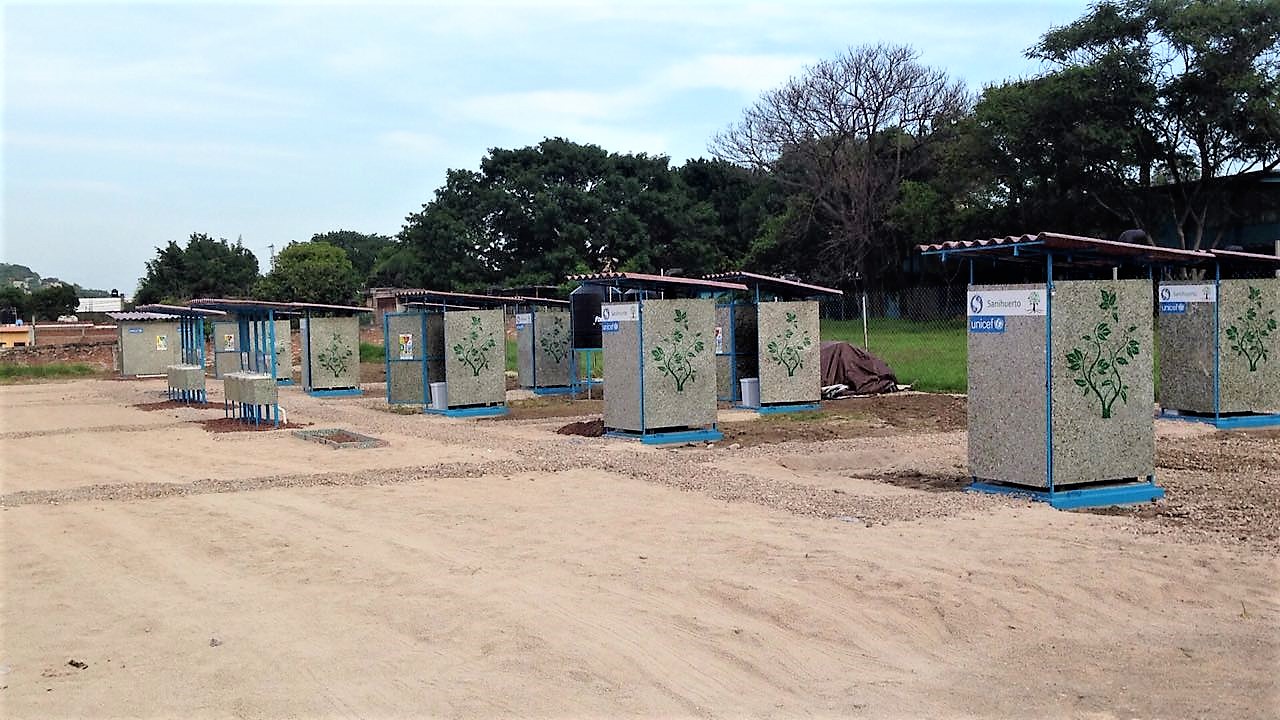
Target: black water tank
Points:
x,y
584,308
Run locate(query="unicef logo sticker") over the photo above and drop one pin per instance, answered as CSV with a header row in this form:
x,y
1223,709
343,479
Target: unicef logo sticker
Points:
x,y
975,305
999,324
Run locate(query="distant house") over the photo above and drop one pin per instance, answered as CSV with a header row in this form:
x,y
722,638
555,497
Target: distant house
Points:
x,y
100,305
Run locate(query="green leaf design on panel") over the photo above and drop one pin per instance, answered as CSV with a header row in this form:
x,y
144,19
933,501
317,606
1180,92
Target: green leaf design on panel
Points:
x,y
335,356
475,347
1248,334
787,348
674,353
555,340
1098,364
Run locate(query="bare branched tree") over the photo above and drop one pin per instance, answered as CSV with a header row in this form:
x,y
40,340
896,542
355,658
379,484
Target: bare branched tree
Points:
x,y
845,133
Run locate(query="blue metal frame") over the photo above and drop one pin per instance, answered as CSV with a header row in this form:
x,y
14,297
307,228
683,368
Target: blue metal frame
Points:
x,y
191,352
477,411
1093,496
533,356
1217,343
1242,421
391,357
667,438
779,409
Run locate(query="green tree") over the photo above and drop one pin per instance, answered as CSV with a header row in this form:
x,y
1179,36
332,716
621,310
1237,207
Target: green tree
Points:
x,y
311,272
18,299
841,137
204,268
1147,105
48,303
362,249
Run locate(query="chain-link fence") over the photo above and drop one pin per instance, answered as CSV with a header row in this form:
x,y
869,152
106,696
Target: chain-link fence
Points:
x,y
918,331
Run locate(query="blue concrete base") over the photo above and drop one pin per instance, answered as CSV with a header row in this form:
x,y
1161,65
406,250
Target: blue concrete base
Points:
x,y
667,438
1226,422
335,392
1091,496
284,381
483,411
562,390
789,408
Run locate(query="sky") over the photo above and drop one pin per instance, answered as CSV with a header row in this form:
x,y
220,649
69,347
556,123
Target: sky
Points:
x,y
130,125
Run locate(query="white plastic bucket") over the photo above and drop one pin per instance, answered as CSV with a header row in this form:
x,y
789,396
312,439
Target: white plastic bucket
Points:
x,y
440,395
750,392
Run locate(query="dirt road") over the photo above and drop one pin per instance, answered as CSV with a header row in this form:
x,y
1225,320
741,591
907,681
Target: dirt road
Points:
x,y
515,572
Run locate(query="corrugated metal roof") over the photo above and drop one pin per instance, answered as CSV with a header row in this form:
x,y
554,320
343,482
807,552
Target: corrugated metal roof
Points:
x,y
644,280
177,310
1095,248
750,278
1236,257
244,305
140,316
446,297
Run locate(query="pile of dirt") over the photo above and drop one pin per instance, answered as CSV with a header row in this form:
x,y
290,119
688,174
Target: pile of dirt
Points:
x,y
226,425
586,428
932,482
878,416
171,404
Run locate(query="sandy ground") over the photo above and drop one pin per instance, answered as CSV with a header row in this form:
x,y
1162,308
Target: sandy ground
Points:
x,y
476,569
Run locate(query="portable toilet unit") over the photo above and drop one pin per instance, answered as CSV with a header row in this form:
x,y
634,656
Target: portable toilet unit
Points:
x,y
769,337
544,345
448,351
1220,343
147,343
1061,376
330,336
659,356
187,377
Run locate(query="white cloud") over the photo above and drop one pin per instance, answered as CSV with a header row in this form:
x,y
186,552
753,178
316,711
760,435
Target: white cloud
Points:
x,y
747,74
413,142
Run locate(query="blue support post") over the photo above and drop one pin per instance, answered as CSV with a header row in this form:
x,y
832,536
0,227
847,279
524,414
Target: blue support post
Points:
x,y
1217,346
640,327
426,376
1048,369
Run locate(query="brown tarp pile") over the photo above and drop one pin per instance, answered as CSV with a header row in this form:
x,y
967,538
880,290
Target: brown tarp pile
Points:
x,y
859,370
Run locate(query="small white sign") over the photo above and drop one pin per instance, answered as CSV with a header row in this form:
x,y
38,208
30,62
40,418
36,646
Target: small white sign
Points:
x,y
1006,302
524,319
1206,293
620,312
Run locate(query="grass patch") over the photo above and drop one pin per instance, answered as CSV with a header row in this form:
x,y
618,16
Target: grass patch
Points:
x,y
930,356
512,363
14,371
372,353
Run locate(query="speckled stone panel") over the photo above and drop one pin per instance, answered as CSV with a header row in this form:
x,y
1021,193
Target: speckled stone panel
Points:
x,y
1186,357
1007,400
790,371
524,355
1088,447
687,399
554,336
284,349
226,351
621,352
141,353
1250,381
185,377
331,353
404,382
475,357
